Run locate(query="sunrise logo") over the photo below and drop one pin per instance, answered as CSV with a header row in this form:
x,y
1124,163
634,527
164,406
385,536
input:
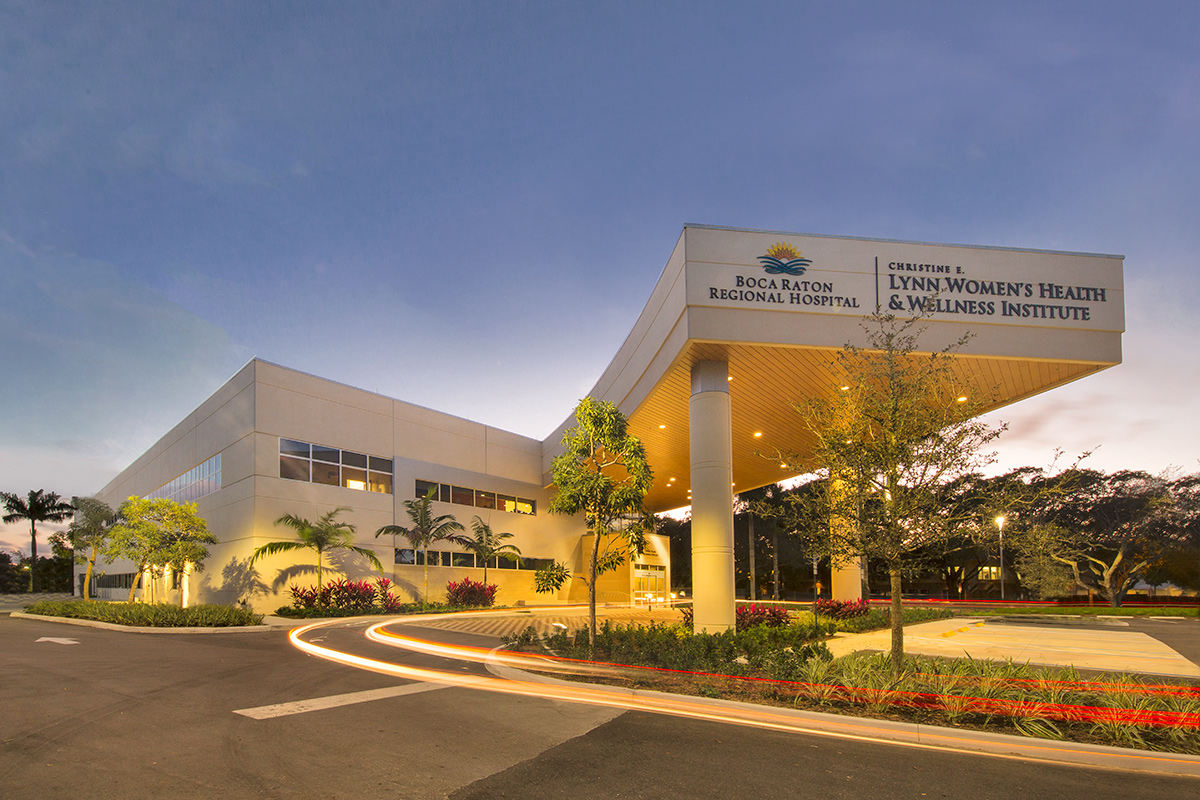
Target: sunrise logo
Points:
x,y
784,259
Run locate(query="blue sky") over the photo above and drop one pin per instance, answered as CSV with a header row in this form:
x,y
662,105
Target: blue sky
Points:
x,y
465,205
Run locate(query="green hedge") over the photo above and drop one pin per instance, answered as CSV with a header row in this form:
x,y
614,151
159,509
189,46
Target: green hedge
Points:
x,y
149,615
879,618
320,612
779,651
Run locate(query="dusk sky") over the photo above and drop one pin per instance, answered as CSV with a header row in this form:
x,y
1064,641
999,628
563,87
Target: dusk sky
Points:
x,y
465,205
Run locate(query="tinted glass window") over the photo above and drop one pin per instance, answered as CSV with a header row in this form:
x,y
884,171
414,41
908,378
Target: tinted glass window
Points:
x,y
381,464
462,496
485,500
405,556
320,453
380,482
294,469
424,488
354,478
325,473
293,448
354,459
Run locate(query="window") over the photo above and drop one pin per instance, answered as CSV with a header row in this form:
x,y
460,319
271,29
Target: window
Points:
x,y
315,463
409,557
989,573
466,496
198,481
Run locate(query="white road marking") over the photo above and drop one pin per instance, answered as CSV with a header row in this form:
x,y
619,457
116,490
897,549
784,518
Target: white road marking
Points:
x,y
335,700
58,640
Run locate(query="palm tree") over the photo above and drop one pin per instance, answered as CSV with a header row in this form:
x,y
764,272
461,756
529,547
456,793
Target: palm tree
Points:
x,y
323,535
39,506
89,532
426,529
489,544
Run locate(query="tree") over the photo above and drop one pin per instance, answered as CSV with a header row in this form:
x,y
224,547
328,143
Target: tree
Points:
x,y
1111,527
324,535
488,544
88,533
38,506
603,474
157,535
426,529
900,427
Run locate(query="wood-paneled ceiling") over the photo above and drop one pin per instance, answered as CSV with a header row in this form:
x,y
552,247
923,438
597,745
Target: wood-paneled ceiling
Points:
x,y
765,382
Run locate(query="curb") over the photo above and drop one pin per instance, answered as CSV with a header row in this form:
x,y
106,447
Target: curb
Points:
x,y
111,626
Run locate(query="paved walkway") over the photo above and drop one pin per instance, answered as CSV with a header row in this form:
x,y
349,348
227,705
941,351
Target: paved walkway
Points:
x,y
544,620
1110,649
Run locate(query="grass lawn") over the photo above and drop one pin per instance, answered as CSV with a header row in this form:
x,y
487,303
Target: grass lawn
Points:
x,y
1083,611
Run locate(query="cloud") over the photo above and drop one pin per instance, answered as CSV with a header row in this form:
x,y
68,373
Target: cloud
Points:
x,y
94,369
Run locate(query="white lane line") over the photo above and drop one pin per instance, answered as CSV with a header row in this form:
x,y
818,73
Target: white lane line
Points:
x,y
335,700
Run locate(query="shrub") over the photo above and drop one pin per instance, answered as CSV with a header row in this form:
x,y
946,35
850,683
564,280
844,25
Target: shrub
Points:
x,y
841,609
344,596
748,616
151,615
675,647
470,594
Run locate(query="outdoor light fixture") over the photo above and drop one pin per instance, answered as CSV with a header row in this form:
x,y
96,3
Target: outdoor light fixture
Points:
x,y
1000,525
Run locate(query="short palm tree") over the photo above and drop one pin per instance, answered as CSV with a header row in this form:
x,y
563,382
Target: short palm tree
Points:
x,y
426,529
39,506
323,535
488,545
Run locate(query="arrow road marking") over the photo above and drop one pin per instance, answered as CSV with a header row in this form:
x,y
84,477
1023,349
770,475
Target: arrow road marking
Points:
x,y
57,640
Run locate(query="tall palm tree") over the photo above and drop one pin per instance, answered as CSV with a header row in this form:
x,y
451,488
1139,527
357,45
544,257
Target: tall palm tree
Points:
x,y
39,506
323,535
426,529
488,545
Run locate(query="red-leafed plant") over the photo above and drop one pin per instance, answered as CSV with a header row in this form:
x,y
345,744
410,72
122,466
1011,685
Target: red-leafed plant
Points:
x,y
841,609
470,593
748,616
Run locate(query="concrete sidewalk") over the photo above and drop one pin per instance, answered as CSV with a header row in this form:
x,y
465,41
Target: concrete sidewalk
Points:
x,y
1112,649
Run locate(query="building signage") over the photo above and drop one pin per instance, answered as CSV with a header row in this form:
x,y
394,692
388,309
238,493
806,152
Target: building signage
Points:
x,y
958,283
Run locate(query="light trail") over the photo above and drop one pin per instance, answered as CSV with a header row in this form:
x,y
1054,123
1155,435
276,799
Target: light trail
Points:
x,y
763,717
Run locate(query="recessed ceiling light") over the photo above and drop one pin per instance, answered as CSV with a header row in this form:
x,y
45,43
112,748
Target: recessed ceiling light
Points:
x,y
845,388
660,427
962,399
729,378
757,434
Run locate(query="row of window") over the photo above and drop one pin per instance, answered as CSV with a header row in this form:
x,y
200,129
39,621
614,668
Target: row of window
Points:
x,y
198,481
315,463
447,558
463,496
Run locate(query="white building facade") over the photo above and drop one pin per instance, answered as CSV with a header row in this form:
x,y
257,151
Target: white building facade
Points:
x,y
740,326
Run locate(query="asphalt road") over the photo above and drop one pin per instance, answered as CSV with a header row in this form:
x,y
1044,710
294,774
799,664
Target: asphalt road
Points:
x,y
133,716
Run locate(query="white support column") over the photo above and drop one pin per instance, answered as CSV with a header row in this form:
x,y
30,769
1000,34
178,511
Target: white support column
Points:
x,y
846,573
847,579
711,442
